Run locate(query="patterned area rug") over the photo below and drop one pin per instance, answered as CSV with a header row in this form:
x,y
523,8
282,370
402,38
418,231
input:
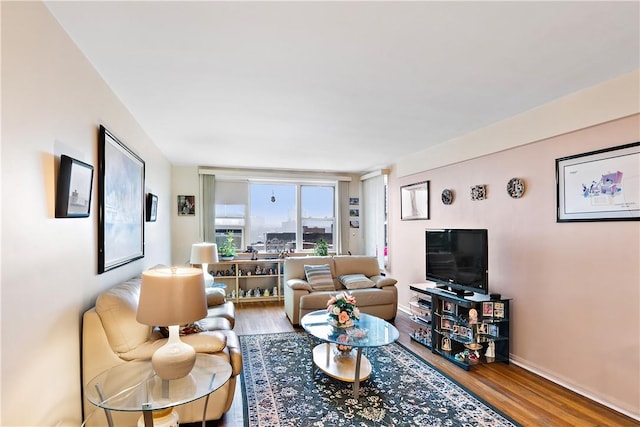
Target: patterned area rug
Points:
x,y
281,390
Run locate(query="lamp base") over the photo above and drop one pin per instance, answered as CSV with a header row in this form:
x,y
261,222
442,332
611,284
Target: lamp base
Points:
x,y
175,359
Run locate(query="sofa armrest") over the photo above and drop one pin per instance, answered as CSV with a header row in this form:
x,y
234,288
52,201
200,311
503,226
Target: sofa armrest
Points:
x,y
235,353
299,284
382,281
202,342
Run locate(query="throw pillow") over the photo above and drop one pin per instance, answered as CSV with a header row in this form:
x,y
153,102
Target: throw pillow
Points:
x,y
319,277
355,281
215,296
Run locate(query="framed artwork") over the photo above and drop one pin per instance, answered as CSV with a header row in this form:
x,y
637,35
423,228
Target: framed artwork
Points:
x,y
73,190
152,207
414,201
487,309
354,223
446,325
448,307
354,212
354,201
121,203
186,205
601,185
498,309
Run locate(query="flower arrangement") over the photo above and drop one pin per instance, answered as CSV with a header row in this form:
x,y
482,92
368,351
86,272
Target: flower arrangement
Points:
x,y
342,310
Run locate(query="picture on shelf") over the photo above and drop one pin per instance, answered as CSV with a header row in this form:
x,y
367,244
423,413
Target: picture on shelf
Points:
x,y
493,330
448,307
498,310
445,324
456,329
482,328
487,309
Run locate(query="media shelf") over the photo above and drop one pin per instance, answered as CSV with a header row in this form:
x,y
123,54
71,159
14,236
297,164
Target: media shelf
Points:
x,y
421,315
468,330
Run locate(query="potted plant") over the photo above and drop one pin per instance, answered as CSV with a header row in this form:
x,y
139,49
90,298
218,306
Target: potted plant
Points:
x,y
321,248
227,250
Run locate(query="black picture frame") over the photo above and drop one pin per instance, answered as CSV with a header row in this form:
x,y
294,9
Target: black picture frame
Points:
x,y
73,189
151,211
602,185
414,201
121,203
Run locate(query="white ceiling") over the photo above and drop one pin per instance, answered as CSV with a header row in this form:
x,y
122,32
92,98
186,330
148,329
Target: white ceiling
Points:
x,y
341,86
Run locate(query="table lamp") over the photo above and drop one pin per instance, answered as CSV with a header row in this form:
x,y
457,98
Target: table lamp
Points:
x,y
205,254
171,296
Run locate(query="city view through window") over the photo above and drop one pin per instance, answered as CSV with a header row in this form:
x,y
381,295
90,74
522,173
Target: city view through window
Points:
x,y
280,217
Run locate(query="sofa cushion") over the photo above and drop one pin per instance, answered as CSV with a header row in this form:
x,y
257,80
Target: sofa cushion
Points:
x,y
319,277
117,308
215,296
355,281
382,281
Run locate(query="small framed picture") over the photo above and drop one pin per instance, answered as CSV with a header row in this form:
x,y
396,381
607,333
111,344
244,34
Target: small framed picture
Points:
x,y
151,207
354,212
354,201
73,191
482,328
487,309
498,310
354,223
456,329
186,205
446,325
493,330
448,307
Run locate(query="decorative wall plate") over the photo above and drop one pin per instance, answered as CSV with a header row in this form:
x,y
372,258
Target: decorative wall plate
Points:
x,y
515,187
447,196
478,192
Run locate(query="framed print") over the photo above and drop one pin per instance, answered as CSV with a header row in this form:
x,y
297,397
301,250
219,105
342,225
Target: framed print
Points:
x,y
354,212
482,328
73,190
121,203
151,208
354,223
414,201
487,309
186,205
498,309
601,185
448,307
354,201
446,325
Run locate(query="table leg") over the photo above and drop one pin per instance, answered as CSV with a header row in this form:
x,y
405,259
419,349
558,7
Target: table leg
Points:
x,y
356,382
147,414
106,411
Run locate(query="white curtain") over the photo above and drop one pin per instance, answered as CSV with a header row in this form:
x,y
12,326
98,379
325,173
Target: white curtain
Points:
x,y
342,219
209,208
373,217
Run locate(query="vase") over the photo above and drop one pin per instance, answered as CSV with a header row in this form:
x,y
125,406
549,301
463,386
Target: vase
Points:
x,y
342,353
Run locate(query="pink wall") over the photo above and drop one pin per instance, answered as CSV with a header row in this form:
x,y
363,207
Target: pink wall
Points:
x,y
575,286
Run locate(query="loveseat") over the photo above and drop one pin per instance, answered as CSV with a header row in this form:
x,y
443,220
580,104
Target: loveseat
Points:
x,y
112,336
377,295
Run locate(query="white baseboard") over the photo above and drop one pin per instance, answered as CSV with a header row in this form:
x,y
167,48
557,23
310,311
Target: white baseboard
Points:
x,y
524,365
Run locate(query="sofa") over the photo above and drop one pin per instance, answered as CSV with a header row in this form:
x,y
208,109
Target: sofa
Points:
x,y
378,296
112,336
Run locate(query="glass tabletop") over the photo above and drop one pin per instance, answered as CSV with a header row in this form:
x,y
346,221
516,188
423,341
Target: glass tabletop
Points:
x,y
369,331
134,386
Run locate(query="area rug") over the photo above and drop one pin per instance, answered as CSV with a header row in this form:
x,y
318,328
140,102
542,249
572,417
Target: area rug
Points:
x,y
282,389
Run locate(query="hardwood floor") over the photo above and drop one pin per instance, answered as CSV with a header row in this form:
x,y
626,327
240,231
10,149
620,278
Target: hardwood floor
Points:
x,y
522,395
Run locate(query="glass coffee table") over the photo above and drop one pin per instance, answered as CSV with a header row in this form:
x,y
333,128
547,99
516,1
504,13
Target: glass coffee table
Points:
x,y
369,331
134,386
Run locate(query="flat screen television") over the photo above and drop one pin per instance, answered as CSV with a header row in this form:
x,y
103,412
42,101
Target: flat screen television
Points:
x,y
458,259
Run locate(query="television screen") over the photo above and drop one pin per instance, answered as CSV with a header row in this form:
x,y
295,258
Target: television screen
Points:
x,y
458,259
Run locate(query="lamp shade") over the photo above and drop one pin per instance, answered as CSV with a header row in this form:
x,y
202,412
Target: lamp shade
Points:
x,y
204,253
172,296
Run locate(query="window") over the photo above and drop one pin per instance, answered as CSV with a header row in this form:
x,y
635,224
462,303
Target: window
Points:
x,y
276,216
